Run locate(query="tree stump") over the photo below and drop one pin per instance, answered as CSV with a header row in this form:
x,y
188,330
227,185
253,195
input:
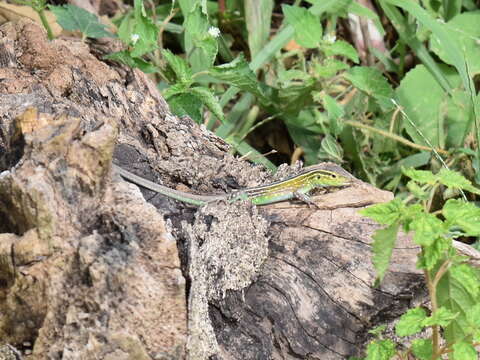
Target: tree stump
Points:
x,y
93,268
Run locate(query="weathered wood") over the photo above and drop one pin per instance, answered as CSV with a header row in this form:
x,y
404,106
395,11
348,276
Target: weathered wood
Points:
x,y
98,274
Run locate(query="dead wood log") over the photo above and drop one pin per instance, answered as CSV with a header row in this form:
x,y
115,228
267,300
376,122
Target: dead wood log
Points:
x,y
89,269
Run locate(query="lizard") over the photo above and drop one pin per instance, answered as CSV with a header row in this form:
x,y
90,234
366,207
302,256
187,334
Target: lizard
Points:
x,y
295,187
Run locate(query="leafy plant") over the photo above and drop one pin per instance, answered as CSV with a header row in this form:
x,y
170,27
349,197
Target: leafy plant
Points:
x,y
39,7
73,18
453,284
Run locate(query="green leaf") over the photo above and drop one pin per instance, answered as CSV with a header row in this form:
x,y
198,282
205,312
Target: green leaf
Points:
x,y
335,112
72,18
329,68
455,180
208,47
371,81
421,176
308,30
196,30
464,30
473,318
341,48
180,67
422,349
239,74
385,213
434,253
451,294
378,330
330,149
125,58
144,31
338,9
466,276
173,90
207,97
466,215
186,104
427,228
257,19
411,322
473,315
441,317
384,241
422,99
380,350
464,351
456,55
417,191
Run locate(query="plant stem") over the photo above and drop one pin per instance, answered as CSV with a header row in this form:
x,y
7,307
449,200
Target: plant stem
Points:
x,y
46,25
392,136
433,298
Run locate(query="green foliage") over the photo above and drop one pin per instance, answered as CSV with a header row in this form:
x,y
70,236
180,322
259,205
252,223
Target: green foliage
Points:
x,y
73,18
411,322
308,29
454,285
139,34
380,350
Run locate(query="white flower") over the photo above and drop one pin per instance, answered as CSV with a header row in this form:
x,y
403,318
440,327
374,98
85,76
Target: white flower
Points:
x,y
134,38
330,38
214,31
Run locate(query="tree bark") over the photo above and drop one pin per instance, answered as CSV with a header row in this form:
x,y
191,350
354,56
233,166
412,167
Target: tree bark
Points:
x,y
90,269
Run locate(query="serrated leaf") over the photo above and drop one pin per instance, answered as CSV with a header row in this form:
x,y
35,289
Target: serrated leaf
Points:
x,y
432,254
341,48
207,97
308,30
180,67
464,351
384,241
72,18
456,180
422,349
411,322
186,104
427,228
384,213
441,317
466,276
464,215
371,81
380,350
420,176
239,74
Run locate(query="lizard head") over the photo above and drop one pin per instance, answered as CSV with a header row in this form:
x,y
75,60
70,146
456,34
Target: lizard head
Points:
x,y
329,178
